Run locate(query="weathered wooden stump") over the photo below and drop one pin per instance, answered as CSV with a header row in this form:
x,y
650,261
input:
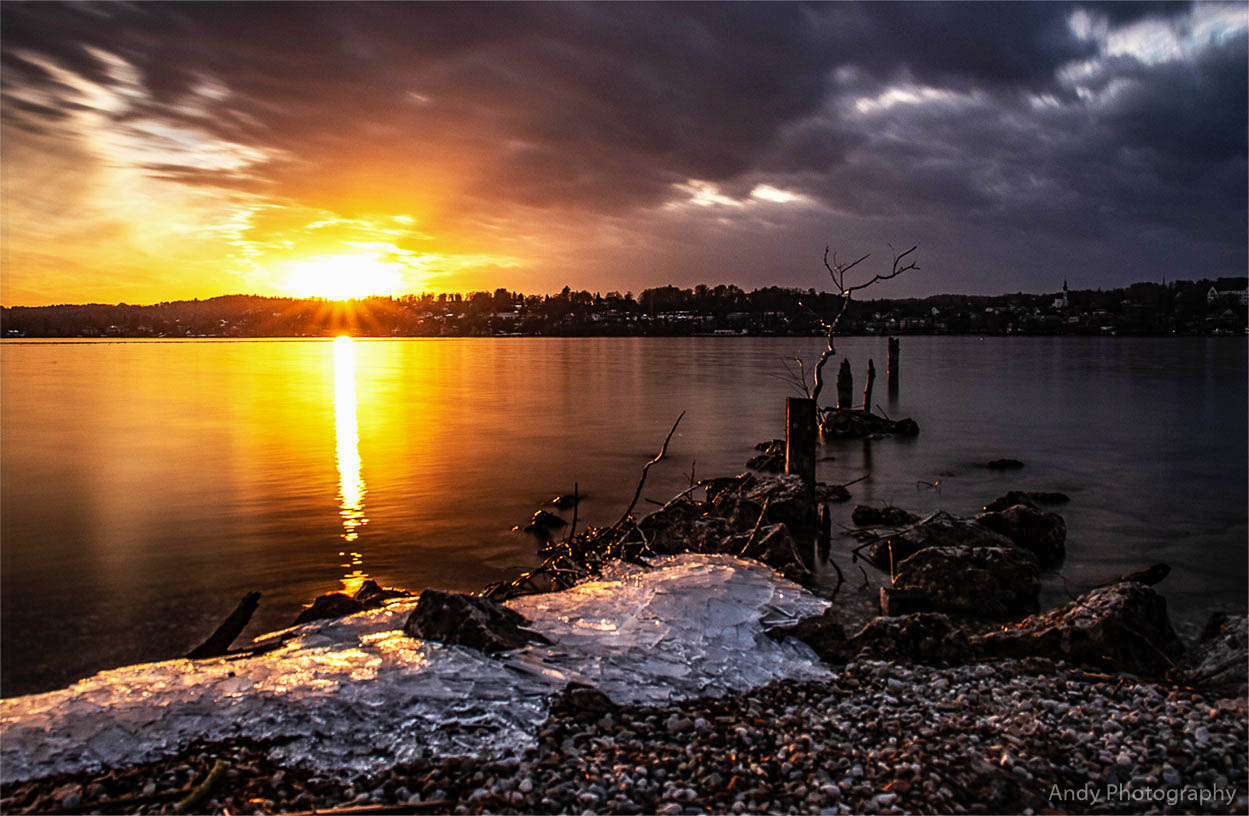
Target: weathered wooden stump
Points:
x,y
801,432
867,389
892,370
845,386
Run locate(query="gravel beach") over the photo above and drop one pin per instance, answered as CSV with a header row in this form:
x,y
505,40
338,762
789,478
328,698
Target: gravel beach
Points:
x,y
1013,736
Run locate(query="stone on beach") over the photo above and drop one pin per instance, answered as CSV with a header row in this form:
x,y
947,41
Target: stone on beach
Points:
x,y
1220,660
1033,497
1121,627
1040,533
939,529
990,582
466,620
329,605
865,515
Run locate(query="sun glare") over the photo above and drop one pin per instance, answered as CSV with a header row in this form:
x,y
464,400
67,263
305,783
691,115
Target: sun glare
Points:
x,y
342,277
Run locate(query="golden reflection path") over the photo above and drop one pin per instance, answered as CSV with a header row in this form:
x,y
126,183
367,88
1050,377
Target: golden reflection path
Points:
x,y
347,453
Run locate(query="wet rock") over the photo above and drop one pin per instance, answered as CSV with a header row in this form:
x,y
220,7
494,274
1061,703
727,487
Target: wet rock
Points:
x,y
543,520
841,424
566,502
1003,464
372,595
1040,533
1147,576
1122,627
1219,662
922,637
684,528
830,493
773,545
467,620
894,601
329,605
787,498
583,702
989,582
823,633
1013,497
938,530
865,515
771,457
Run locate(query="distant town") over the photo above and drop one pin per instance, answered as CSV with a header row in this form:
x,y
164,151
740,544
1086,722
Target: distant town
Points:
x,y
1203,307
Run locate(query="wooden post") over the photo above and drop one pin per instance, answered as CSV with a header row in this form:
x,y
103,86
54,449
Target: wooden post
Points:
x,y
824,533
801,431
867,389
845,386
893,366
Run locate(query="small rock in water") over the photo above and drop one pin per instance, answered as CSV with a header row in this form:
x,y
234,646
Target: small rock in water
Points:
x,y
1003,464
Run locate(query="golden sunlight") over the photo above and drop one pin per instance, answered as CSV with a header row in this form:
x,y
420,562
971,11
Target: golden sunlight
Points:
x,y
347,436
343,277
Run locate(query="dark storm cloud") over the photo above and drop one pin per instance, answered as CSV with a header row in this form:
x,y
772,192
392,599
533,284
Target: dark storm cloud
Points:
x,y
607,108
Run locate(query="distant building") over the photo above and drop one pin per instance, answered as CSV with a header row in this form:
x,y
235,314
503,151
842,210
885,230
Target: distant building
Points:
x,y
1061,302
1238,296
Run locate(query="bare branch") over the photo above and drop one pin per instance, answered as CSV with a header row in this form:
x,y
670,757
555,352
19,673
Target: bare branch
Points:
x,y
645,468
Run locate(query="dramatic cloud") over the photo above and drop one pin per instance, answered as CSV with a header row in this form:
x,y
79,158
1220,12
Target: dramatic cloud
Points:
x,y
154,151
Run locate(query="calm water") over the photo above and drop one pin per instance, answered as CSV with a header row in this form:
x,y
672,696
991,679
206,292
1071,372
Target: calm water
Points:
x,y
147,485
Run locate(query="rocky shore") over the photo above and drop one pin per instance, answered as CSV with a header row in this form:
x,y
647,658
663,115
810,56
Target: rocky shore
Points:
x,y
962,696
877,737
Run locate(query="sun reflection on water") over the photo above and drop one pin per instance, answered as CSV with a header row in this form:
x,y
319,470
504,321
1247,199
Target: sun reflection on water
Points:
x,y
351,487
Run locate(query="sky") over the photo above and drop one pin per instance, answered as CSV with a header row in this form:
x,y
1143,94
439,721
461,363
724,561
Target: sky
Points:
x,y
154,152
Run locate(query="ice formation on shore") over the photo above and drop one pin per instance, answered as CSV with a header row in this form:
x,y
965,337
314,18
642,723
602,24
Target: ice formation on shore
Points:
x,y
356,694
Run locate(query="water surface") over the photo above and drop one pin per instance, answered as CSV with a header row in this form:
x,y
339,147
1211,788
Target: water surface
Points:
x,y
145,486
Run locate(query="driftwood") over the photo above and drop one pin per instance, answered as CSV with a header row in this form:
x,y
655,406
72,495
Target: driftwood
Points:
x,y
218,642
867,389
646,468
204,788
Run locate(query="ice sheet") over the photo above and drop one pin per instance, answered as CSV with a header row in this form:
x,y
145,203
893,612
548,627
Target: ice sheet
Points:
x,y
356,694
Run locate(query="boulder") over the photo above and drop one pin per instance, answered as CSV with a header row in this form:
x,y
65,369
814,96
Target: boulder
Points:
x,y
938,530
1147,576
1219,662
371,595
543,520
922,637
830,493
788,499
823,633
837,423
683,528
987,582
771,457
1013,497
1040,533
1122,627
774,546
467,620
566,502
864,515
329,605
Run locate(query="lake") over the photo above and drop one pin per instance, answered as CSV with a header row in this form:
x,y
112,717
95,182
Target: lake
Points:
x,y
146,485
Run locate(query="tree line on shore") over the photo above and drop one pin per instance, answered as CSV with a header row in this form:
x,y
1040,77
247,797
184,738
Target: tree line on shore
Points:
x,y
1180,307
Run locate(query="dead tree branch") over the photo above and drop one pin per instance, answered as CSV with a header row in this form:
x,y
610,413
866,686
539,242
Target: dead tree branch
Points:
x,y
645,469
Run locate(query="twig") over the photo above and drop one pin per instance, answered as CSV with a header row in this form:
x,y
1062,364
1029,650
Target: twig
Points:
x,y
218,642
866,584
645,469
204,788
576,503
755,531
861,478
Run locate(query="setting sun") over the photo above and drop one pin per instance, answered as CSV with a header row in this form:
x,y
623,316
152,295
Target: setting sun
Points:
x,y
342,277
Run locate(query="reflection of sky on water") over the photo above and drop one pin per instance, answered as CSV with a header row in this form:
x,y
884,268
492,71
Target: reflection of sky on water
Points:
x,y
347,454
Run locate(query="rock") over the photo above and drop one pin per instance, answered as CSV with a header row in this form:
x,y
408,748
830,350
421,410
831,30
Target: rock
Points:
x,y
864,515
923,637
894,601
1218,663
830,493
543,520
1013,497
566,502
1003,464
771,457
938,530
774,546
584,702
1040,533
787,498
1122,627
467,620
329,605
683,528
989,582
823,633
1147,576
371,595
841,424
